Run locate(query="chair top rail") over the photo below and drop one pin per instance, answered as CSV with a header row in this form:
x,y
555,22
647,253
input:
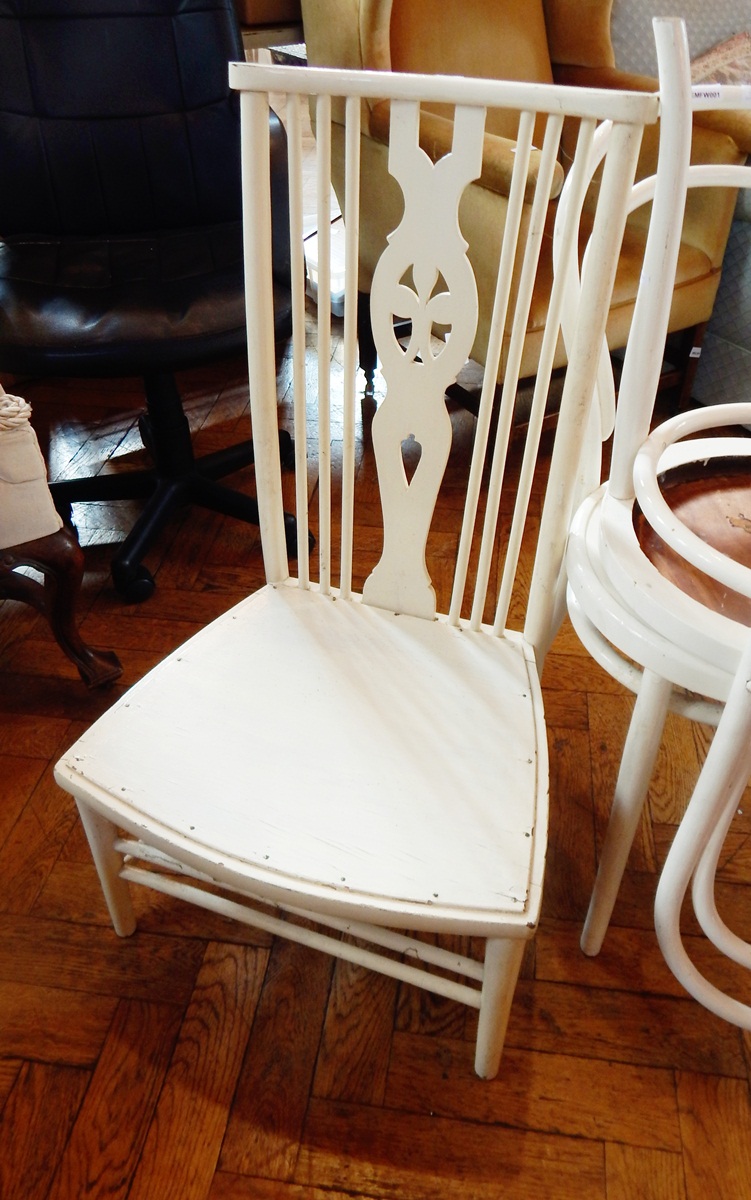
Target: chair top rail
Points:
x,y
631,108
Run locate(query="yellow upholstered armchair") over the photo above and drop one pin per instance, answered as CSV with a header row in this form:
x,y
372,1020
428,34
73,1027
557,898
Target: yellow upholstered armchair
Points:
x,y
539,40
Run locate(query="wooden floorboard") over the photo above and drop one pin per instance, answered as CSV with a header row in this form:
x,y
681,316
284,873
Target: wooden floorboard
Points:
x,y
202,1060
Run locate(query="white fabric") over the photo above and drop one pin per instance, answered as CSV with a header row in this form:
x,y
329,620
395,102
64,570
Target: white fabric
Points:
x,y
27,511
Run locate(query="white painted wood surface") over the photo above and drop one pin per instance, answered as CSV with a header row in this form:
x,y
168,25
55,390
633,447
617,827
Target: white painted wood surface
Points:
x,y
674,652
411,785
365,760
423,276
694,855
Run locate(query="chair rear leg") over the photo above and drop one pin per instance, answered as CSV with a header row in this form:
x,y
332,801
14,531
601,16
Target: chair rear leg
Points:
x,y
637,764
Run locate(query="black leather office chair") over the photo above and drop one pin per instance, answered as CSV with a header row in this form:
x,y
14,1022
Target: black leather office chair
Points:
x,y
120,227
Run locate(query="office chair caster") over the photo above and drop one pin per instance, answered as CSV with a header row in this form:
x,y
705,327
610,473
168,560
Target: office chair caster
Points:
x,y
133,584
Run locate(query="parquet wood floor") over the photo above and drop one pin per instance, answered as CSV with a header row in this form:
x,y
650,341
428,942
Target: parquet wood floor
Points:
x,y
202,1061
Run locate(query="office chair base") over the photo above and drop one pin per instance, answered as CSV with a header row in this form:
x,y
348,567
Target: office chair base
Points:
x,y
176,480
164,496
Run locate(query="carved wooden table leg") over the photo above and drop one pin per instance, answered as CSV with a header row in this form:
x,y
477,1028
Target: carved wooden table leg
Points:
x,y
60,559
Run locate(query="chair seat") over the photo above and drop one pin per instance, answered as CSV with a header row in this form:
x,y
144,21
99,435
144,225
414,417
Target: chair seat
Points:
x,y
339,776
78,305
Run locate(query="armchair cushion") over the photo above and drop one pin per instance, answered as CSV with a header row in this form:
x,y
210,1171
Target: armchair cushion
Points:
x,y
579,32
345,33
500,39
509,43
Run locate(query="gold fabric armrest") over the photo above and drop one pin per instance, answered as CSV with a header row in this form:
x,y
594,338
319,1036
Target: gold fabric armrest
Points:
x,y
498,156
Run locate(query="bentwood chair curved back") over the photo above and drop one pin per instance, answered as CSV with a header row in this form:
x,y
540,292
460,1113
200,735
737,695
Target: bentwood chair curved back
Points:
x,y
389,774
121,232
663,610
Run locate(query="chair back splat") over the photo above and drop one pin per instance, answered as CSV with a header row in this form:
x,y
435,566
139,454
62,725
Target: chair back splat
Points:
x,y
363,744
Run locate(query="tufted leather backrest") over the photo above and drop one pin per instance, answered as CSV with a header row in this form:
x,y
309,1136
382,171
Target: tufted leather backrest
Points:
x,y
117,118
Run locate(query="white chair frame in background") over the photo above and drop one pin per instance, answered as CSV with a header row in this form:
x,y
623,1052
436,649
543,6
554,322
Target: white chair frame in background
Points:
x,y
694,854
361,760
670,649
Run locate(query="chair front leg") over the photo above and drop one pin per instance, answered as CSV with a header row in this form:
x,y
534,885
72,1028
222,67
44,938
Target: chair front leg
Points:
x,y
101,835
503,960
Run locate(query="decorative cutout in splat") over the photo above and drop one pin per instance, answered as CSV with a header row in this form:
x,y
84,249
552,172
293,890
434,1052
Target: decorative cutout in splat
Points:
x,y
423,276
411,455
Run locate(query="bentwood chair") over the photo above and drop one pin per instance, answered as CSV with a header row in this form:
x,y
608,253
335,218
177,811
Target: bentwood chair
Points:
x,y
363,744
663,610
697,846
121,232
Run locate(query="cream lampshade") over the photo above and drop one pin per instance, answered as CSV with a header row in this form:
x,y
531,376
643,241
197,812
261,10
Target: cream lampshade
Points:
x,y
27,511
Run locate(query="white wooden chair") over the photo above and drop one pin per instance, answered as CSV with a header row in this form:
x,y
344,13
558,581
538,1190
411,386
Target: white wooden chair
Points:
x,y
695,852
669,624
361,759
